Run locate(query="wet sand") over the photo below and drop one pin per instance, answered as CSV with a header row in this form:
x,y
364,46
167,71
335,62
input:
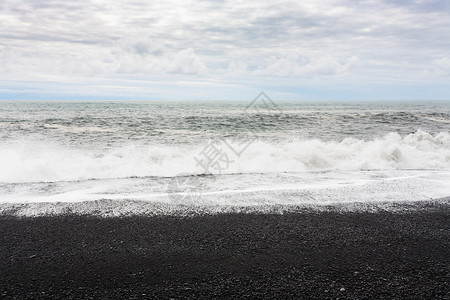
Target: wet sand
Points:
x,y
351,255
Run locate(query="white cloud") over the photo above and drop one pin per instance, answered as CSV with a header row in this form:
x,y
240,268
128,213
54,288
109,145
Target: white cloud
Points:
x,y
187,62
438,68
316,66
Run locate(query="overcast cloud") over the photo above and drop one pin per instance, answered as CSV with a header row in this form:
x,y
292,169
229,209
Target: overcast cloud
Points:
x,y
224,49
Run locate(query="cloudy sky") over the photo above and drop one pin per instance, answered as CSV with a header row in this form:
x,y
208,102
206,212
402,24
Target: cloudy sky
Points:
x,y
231,49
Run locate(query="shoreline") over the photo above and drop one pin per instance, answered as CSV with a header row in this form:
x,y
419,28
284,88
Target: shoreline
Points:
x,y
309,254
130,208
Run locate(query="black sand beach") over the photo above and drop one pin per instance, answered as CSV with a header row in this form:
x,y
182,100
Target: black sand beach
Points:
x,y
353,255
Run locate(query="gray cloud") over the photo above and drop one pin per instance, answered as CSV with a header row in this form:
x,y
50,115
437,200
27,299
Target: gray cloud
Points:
x,y
224,39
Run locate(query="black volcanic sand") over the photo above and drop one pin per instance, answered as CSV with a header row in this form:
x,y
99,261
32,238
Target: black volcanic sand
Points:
x,y
294,255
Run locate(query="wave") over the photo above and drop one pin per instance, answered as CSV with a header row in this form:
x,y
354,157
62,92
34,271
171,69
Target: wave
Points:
x,y
76,129
36,161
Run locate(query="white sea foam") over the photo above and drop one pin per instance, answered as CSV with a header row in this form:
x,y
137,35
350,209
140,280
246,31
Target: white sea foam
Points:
x,y
76,129
356,190
437,119
37,161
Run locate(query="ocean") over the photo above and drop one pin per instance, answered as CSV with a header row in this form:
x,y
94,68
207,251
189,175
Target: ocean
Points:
x,y
162,157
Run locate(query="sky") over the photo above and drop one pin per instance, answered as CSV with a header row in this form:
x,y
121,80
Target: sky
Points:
x,y
225,50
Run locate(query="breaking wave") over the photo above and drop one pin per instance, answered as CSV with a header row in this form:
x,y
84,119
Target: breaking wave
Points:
x,y
31,161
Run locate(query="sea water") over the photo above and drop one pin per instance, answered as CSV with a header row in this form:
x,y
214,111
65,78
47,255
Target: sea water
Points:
x,y
221,155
